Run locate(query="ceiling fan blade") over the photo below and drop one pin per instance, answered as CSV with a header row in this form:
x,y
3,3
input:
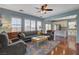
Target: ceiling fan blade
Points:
x,y
45,5
49,9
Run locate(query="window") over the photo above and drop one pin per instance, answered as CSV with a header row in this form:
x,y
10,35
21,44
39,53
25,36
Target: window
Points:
x,y
72,25
39,25
32,25
72,28
16,24
27,25
48,27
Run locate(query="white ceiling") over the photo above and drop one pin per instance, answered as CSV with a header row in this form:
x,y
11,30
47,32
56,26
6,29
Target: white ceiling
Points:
x,y
31,10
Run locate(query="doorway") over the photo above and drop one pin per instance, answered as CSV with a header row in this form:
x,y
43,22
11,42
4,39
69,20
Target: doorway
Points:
x,y
72,33
68,28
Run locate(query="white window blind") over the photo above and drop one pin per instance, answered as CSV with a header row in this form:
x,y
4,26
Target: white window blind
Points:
x,y
27,25
39,25
16,24
32,25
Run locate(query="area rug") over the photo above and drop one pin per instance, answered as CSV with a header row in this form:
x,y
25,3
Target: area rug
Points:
x,y
43,49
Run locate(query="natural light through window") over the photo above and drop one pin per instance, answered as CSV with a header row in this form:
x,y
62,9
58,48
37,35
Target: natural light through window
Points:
x,y
16,24
32,25
39,25
27,25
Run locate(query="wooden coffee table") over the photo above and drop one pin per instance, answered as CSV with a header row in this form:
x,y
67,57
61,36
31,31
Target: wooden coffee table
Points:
x,y
39,39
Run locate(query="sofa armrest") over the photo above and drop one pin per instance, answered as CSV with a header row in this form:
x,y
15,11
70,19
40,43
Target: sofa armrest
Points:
x,y
17,49
20,41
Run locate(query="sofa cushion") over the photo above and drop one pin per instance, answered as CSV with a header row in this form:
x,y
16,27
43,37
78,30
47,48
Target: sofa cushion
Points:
x,y
21,35
12,35
33,32
30,33
27,33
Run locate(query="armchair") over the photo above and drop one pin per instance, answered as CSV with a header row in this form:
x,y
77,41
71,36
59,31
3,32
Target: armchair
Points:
x,y
16,48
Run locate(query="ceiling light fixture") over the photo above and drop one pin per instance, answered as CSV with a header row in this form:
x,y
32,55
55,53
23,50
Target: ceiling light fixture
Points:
x,y
44,8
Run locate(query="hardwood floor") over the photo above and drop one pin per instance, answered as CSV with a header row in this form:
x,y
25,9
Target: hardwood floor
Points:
x,y
63,49
77,48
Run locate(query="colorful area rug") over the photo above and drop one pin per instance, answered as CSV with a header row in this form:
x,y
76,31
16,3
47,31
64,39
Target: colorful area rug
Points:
x,y
41,49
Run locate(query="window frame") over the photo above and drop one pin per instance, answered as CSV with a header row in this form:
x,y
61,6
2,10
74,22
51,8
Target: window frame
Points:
x,y
39,28
15,24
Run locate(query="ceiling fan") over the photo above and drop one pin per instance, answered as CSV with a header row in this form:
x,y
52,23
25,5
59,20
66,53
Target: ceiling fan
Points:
x,y
44,8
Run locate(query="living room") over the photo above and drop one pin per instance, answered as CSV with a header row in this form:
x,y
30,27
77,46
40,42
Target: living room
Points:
x,y
39,29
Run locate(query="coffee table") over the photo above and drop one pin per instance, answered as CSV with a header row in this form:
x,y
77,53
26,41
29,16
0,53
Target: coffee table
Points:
x,y
40,39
